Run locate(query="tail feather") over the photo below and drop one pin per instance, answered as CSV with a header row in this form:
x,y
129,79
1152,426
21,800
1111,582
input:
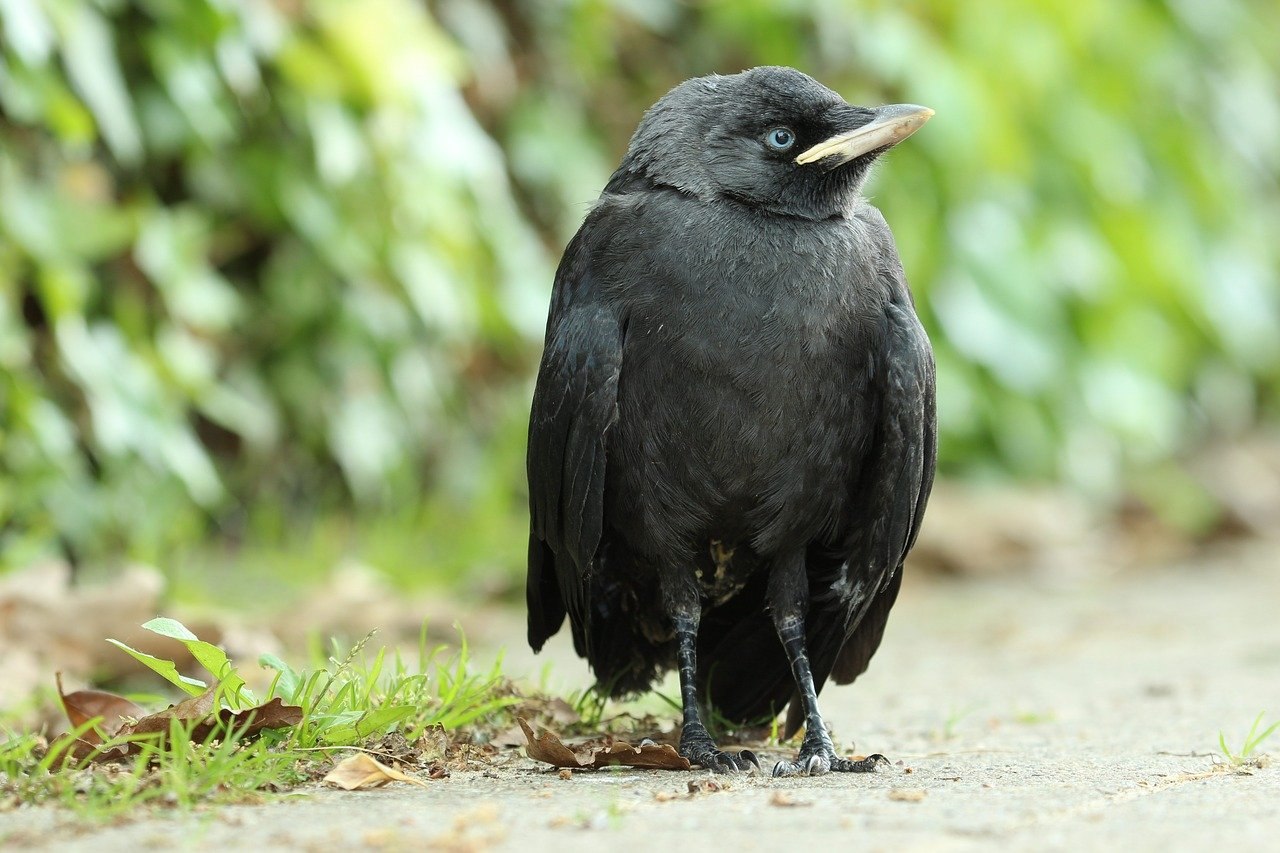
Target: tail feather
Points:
x,y
747,678
630,646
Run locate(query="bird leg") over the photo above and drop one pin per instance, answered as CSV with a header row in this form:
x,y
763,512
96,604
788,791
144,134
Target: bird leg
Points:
x,y
695,741
788,594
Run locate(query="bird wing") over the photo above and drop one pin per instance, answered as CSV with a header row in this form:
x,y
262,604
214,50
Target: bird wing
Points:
x,y
574,405
896,482
861,579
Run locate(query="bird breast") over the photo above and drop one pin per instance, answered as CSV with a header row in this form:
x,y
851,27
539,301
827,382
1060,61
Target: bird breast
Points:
x,y
742,377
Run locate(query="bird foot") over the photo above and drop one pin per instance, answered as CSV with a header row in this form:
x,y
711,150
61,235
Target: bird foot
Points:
x,y
823,760
711,758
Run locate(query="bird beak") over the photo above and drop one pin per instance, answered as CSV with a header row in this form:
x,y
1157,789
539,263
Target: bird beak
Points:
x,y
891,125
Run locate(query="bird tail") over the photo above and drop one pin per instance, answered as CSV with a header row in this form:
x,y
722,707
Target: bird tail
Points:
x,y
743,672
749,680
627,653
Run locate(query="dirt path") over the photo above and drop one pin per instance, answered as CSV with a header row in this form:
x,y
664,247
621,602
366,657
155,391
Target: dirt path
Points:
x,y
1033,714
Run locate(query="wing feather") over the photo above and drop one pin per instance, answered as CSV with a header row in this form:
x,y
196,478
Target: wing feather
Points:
x,y
897,484
574,405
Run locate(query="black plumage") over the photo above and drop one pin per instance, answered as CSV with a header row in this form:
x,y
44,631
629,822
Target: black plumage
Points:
x,y
732,438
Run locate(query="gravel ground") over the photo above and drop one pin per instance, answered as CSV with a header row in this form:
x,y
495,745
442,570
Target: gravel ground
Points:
x,y
1033,713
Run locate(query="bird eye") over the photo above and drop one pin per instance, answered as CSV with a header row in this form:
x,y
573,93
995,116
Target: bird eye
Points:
x,y
780,138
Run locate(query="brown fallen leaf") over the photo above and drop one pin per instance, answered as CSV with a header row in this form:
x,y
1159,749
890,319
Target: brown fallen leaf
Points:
x,y
434,743
649,756
249,722
360,771
199,710
82,706
549,749
190,710
907,795
121,718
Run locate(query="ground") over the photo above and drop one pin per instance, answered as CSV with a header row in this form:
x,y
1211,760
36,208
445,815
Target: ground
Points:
x,y
1037,712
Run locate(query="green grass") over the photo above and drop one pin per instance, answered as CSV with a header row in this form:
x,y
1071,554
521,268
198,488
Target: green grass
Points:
x,y
350,698
171,771
362,695
951,724
1252,741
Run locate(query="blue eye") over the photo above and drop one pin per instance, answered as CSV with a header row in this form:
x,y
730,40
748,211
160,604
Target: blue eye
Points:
x,y
780,138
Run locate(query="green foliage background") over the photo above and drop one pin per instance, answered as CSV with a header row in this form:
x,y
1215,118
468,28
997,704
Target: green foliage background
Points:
x,y
263,260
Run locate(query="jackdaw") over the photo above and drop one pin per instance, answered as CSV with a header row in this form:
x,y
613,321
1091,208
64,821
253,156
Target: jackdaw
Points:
x,y
733,432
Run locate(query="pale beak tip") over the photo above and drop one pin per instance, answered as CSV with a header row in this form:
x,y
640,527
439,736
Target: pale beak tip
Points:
x,y
893,124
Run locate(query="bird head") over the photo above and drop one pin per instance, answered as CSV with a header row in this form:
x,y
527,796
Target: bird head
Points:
x,y
770,137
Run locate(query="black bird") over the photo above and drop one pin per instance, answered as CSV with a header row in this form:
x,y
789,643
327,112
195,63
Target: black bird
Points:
x,y
732,438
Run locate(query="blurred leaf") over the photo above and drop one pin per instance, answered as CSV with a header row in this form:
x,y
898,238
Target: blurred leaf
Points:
x,y
267,261
89,52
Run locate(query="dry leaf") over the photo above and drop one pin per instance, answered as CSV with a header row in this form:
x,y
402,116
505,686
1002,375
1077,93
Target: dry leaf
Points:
x,y
907,795
549,749
120,718
199,709
189,710
650,756
273,715
249,722
82,706
361,771
434,744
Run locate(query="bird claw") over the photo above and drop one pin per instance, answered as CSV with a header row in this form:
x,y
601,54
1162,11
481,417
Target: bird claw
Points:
x,y
865,765
821,763
717,761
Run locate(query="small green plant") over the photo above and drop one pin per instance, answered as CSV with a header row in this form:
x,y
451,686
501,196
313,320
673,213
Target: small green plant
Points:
x,y
348,699
1034,718
1252,741
590,706
353,697
951,724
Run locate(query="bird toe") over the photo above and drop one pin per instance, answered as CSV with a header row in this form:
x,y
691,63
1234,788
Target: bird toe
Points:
x,y
786,768
864,765
817,765
724,762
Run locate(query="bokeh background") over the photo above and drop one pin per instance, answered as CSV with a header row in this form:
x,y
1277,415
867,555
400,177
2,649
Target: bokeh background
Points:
x,y
274,273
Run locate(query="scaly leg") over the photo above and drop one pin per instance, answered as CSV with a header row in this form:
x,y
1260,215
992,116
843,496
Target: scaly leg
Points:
x,y
789,601
817,752
695,741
